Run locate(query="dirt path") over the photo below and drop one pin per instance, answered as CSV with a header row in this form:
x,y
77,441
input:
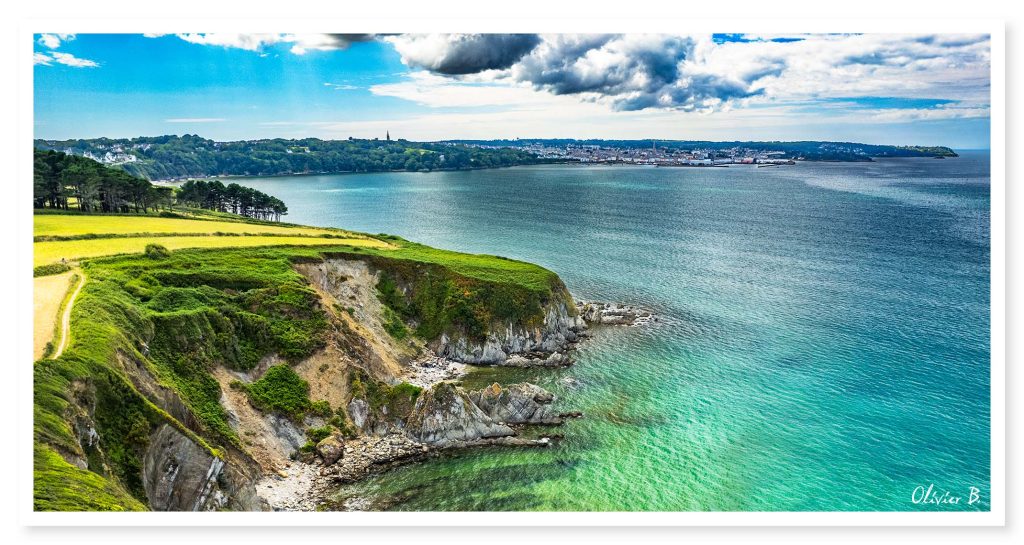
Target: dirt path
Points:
x,y
47,294
65,320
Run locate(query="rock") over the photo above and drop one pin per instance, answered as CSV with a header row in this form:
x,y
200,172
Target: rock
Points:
x,y
358,410
445,414
522,403
613,313
560,328
554,359
178,474
331,448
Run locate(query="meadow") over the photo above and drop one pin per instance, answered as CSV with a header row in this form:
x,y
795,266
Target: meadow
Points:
x,y
53,251
71,225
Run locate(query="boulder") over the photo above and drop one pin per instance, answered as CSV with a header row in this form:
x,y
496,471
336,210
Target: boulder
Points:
x,y
331,448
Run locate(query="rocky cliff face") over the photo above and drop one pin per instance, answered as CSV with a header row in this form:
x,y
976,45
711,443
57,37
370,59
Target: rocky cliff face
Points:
x,y
179,475
444,415
522,403
561,327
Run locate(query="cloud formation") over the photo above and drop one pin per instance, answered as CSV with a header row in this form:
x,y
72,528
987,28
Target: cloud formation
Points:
x,y
301,43
53,41
699,73
67,59
460,54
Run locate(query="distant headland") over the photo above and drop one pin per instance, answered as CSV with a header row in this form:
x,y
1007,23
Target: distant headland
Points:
x,y
173,157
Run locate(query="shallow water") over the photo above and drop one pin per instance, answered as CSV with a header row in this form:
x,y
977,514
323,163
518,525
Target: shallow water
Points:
x,y
824,342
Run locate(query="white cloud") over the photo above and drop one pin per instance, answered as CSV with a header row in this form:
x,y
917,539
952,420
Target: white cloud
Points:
x,y
53,41
195,120
342,86
66,59
436,91
301,43
696,73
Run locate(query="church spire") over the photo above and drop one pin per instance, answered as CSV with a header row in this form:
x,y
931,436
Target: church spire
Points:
x,y
388,133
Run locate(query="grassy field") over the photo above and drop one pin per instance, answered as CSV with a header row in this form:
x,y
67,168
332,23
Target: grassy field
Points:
x,y
67,225
81,236
49,252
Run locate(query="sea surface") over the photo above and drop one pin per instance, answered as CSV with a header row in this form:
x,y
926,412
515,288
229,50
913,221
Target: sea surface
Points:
x,y
823,342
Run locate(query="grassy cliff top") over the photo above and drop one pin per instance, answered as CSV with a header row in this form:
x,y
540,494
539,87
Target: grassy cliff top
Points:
x,y
176,316
86,236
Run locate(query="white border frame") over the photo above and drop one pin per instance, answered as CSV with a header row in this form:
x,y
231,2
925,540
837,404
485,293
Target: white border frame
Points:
x,y
23,439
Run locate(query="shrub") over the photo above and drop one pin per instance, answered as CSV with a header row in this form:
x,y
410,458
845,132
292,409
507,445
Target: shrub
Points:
x,y
315,435
157,251
280,389
51,269
321,408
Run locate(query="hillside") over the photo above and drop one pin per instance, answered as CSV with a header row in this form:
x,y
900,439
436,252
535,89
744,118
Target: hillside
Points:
x,y
211,363
175,157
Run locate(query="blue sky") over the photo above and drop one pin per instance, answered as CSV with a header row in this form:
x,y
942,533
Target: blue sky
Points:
x,y
872,88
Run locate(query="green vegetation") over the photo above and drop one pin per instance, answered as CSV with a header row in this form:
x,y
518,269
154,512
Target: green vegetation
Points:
x,y
171,320
399,399
232,198
280,390
50,252
60,486
157,251
61,178
166,157
50,269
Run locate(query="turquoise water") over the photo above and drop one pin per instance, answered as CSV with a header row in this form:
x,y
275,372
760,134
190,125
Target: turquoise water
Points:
x,y
824,342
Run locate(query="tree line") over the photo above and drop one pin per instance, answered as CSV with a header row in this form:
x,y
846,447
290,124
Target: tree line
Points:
x,y
69,182
233,198
59,178
167,157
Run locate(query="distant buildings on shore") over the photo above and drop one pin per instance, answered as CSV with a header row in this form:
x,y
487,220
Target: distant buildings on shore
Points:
x,y
655,155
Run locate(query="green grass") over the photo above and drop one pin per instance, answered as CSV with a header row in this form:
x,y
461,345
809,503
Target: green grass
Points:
x,y
52,268
60,486
52,251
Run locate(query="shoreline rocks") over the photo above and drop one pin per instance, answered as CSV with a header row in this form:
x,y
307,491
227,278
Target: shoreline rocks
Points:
x,y
522,403
594,312
429,370
445,414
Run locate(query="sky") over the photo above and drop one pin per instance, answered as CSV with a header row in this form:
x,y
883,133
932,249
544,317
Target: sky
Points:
x,y
872,88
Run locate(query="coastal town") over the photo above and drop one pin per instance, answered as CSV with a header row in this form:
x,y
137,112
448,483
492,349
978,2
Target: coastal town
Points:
x,y
660,156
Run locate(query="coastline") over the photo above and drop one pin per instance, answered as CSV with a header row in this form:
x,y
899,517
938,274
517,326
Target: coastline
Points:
x,y
307,485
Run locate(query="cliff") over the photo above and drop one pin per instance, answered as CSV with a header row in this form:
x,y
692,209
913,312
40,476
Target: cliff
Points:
x,y
191,376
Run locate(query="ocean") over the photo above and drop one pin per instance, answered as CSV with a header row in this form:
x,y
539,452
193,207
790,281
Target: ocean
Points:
x,y
823,341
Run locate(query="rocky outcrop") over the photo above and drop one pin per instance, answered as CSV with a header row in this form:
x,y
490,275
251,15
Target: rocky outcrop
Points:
x,y
613,314
180,475
561,328
522,403
445,415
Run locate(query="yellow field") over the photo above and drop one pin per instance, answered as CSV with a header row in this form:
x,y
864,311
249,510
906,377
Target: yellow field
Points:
x,y
47,294
50,252
70,225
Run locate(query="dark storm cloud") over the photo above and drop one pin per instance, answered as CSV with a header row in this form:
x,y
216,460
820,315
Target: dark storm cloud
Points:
x,y
462,54
629,72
